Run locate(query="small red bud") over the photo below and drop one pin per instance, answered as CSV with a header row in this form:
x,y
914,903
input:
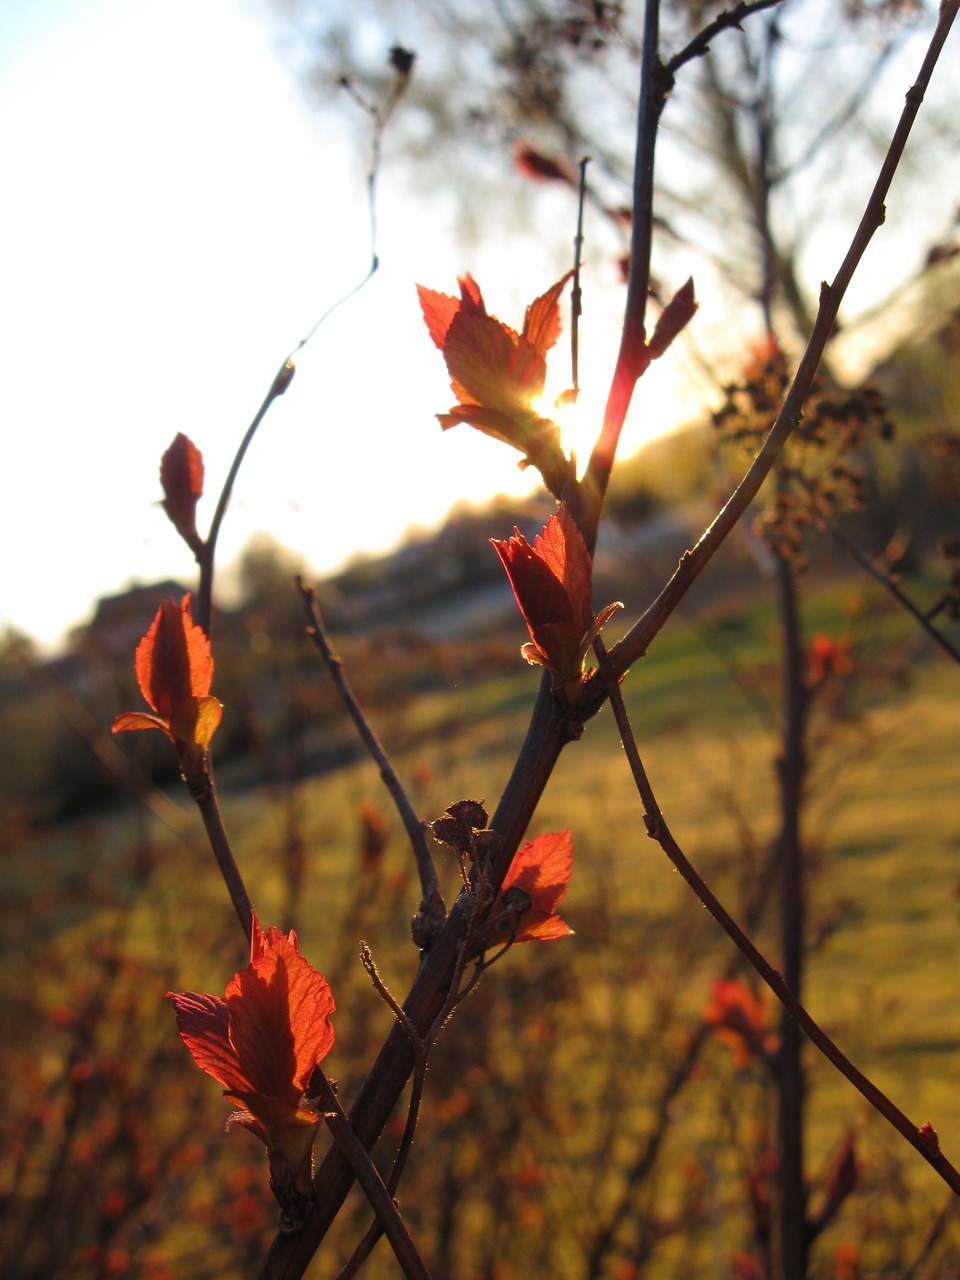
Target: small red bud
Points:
x,y
283,379
181,477
929,1142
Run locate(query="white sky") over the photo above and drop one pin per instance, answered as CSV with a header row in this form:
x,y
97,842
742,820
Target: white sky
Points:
x,y
176,215
175,218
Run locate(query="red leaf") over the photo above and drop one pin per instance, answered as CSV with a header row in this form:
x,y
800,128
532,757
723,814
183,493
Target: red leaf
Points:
x,y
204,1024
534,164
741,1020
181,476
541,869
497,374
263,1041
174,669
676,315
541,326
552,584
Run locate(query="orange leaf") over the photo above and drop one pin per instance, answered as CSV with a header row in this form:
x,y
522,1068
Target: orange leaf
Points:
x,y
541,325
534,164
264,1039
676,315
497,374
541,869
174,669
173,663
140,720
552,584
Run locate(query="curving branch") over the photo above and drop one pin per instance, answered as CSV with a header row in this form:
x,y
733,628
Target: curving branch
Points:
x,y
885,580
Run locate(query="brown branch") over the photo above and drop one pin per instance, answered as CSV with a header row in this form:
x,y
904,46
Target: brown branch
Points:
x,y
632,359
656,83
900,596
208,549
421,1049
383,1204
636,642
729,18
205,552
922,1139
791,1084
432,911
222,851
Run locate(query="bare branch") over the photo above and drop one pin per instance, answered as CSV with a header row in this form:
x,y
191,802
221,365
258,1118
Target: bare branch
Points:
x,y
729,18
384,1206
431,905
655,85
635,643
284,375
222,851
922,1139
900,596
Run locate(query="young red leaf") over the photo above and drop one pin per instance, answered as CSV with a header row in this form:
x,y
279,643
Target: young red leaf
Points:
x,y
533,889
828,657
740,1018
534,164
676,315
541,324
174,669
497,374
552,584
181,476
262,1042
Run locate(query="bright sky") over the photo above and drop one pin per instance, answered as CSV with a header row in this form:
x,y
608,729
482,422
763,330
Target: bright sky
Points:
x,y
176,216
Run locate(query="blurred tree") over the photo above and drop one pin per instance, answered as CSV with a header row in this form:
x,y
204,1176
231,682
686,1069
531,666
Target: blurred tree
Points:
x,y
772,133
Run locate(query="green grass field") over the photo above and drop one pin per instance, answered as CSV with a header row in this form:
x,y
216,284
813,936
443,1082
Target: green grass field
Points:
x,y
550,1079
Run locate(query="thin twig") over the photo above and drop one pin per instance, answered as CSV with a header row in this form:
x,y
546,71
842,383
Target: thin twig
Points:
x,y
281,381
421,1049
576,295
923,1141
729,18
937,1228
432,900
886,581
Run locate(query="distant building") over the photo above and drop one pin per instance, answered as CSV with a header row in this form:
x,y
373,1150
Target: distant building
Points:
x,y
120,621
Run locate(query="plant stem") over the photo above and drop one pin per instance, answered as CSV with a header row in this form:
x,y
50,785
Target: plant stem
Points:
x,y
885,580
546,737
383,1204
202,616
213,821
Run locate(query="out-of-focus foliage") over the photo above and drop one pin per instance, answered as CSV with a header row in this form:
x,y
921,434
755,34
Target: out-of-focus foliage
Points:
x,y
115,1160
770,138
